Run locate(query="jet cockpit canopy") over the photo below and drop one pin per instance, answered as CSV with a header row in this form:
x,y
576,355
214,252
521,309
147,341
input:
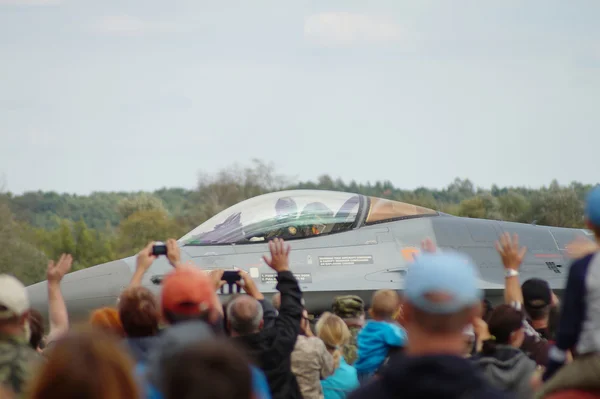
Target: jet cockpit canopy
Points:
x,y
297,214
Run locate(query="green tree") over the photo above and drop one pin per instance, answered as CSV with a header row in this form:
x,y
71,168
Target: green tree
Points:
x,y
513,207
145,226
138,203
557,206
17,256
482,207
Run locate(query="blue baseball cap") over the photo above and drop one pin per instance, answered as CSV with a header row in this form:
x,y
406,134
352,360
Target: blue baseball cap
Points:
x,y
592,206
449,273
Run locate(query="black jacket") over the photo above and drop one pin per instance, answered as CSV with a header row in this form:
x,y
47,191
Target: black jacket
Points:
x,y
271,348
432,377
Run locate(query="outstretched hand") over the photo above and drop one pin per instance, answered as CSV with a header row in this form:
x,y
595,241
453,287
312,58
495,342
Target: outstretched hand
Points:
x,y
216,275
56,271
512,255
173,252
145,258
280,253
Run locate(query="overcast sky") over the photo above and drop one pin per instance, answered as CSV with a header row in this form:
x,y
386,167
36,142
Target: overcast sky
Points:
x,y
129,95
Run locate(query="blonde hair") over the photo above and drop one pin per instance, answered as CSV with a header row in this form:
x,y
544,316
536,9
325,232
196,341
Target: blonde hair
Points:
x,y
385,304
334,332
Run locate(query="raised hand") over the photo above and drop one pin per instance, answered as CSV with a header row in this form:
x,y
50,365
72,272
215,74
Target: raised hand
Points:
x,y
247,283
145,258
216,275
280,254
56,271
173,252
510,252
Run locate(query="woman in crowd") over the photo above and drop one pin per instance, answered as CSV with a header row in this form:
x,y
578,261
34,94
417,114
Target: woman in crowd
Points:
x,y
334,332
89,364
311,362
501,360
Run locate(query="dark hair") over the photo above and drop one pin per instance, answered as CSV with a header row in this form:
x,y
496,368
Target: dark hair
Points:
x,y
213,369
596,230
36,327
503,321
538,313
139,312
488,308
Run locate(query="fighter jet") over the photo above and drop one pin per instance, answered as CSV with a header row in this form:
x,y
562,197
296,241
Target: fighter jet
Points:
x,y
342,243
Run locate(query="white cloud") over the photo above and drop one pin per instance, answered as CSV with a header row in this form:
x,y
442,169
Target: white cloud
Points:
x,y
30,2
128,25
341,28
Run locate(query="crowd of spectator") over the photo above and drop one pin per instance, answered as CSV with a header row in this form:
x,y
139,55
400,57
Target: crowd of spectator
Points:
x,y
439,339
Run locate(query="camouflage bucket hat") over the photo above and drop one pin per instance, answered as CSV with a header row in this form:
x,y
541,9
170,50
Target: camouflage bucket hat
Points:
x,y
348,306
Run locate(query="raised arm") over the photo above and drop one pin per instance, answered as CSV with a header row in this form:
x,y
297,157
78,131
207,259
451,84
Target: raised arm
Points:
x,y
144,260
287,324
57,309
512,256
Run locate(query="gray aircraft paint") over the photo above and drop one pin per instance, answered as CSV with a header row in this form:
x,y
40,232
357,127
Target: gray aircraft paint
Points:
x,y
359,261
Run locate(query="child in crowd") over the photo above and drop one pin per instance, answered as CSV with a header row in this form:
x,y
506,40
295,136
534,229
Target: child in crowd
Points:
x,y
379,335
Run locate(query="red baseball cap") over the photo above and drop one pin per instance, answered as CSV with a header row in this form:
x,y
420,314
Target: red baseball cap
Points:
x,y
187,290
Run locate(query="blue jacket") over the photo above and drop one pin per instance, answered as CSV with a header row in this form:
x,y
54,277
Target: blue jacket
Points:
x,y
259,384
374,342
341,383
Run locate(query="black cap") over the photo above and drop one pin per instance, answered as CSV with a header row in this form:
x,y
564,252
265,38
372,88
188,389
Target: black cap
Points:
x,y
536,293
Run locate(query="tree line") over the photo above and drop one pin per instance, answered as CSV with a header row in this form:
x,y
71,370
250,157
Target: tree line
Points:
x,y
102,226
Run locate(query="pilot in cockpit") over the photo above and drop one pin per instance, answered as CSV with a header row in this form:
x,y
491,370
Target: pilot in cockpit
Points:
x,y
286,211
315,218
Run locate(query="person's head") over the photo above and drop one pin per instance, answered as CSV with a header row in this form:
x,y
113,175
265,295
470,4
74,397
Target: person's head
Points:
x,y
85,364
225,306
384,304
139,312
441,297
592,211
537,298
334,332
14,306
244,316
36,328
213,369
286,206
188,294
107,319
174,339
276,300
505,327
350,308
